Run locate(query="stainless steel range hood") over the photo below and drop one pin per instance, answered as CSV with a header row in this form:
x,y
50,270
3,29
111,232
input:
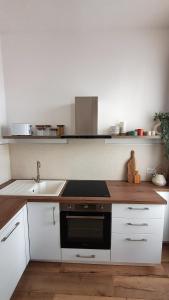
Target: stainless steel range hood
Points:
x,y
86,115
86,119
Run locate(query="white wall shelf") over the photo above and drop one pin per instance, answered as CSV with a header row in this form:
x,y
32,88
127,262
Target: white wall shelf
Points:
x,y
130,140
3,141
126,140
33,140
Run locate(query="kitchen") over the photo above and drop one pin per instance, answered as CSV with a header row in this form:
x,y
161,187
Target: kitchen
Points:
x,y
43,67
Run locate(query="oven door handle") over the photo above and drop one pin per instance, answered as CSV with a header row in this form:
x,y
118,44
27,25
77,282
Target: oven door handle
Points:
x,y
86,217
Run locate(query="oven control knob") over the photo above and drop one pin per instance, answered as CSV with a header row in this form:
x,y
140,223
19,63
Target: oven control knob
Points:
x,y
86,206
69,206
101,206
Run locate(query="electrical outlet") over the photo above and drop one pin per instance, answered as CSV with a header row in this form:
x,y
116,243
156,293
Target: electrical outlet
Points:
x,y
150,171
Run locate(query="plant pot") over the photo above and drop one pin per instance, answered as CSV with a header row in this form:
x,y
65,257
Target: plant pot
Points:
x,y
159,180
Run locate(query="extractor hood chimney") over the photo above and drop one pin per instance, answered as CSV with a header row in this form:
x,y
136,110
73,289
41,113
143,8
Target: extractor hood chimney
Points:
x,y
86,115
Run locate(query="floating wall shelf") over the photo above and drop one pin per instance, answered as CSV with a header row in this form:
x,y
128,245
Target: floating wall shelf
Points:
x,y
3,141
35,139
128,140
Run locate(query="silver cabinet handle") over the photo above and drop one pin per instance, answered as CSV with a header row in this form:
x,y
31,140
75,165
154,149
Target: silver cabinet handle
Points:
x,y
87,256
136,240
137,224
138,208
86,217
7,236
53,210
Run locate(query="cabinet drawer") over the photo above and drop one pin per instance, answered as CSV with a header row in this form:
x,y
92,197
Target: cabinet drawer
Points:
x,y
136,248
85,255
137,211
124,225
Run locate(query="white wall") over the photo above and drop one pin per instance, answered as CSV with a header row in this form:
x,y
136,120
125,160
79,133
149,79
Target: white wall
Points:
x,y
81,159
4,150
127,70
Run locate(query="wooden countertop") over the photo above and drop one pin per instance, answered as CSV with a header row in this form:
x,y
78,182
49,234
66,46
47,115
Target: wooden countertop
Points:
x,y
120,192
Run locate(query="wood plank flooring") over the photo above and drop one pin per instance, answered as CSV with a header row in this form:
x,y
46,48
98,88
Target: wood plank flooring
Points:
x,y
59,281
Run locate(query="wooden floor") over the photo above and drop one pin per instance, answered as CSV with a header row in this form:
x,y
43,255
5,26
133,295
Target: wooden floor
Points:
x,y
56,281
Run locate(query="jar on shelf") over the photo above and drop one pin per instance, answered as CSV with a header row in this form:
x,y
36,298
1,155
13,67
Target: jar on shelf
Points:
x,y
47,130
53,131
43,130
40,130
60,130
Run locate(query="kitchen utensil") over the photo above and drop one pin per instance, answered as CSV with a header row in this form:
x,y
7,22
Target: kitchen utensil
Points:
x,y
131,168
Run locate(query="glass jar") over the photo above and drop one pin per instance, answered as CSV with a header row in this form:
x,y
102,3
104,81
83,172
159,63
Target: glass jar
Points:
x,y
40,130
53,131
60,131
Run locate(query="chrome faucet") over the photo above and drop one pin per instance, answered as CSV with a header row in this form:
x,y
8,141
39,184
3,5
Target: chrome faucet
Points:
x,y
38,164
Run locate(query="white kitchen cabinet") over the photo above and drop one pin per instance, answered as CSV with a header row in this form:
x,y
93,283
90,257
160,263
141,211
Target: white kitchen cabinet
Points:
x,y
137,232
14,254
165,195
44,231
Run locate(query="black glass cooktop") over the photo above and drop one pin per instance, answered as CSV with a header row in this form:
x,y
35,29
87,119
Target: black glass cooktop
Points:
x,y
86,188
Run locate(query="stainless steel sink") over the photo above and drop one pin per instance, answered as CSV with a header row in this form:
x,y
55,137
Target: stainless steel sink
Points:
x,y
30,187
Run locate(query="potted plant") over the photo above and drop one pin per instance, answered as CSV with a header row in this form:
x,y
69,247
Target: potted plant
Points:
x,y
164,120
164,133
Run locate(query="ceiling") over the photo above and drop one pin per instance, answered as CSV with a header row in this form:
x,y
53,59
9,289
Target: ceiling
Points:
x,y
54,15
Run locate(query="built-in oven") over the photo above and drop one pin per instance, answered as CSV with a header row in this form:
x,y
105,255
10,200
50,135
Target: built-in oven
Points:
x,y
85,226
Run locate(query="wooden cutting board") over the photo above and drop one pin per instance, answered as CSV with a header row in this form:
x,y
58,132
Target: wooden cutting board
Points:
x,y
131,168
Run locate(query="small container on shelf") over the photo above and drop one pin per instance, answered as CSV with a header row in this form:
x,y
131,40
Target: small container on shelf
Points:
x,y
131,133
153,132
60,130
115,130
122,127
53,131
140,131
40,130
43,130
47,130
145,133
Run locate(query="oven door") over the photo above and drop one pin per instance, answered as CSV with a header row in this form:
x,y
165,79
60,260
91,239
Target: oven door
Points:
x,y
85,230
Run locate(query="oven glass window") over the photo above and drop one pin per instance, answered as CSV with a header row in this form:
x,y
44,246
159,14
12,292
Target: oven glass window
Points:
x,y
85,229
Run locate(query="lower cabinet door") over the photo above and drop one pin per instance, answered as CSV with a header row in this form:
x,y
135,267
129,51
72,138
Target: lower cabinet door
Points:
x,y
85,255
44,231
13,258
165,195
136,248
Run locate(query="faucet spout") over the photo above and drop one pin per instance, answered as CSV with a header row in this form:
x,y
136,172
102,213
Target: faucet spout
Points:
x,y
38,171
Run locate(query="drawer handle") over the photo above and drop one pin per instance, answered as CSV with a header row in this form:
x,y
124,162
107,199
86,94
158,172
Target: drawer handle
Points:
x,y
136,240
53,209
87,256
138,208
136,224
8,235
